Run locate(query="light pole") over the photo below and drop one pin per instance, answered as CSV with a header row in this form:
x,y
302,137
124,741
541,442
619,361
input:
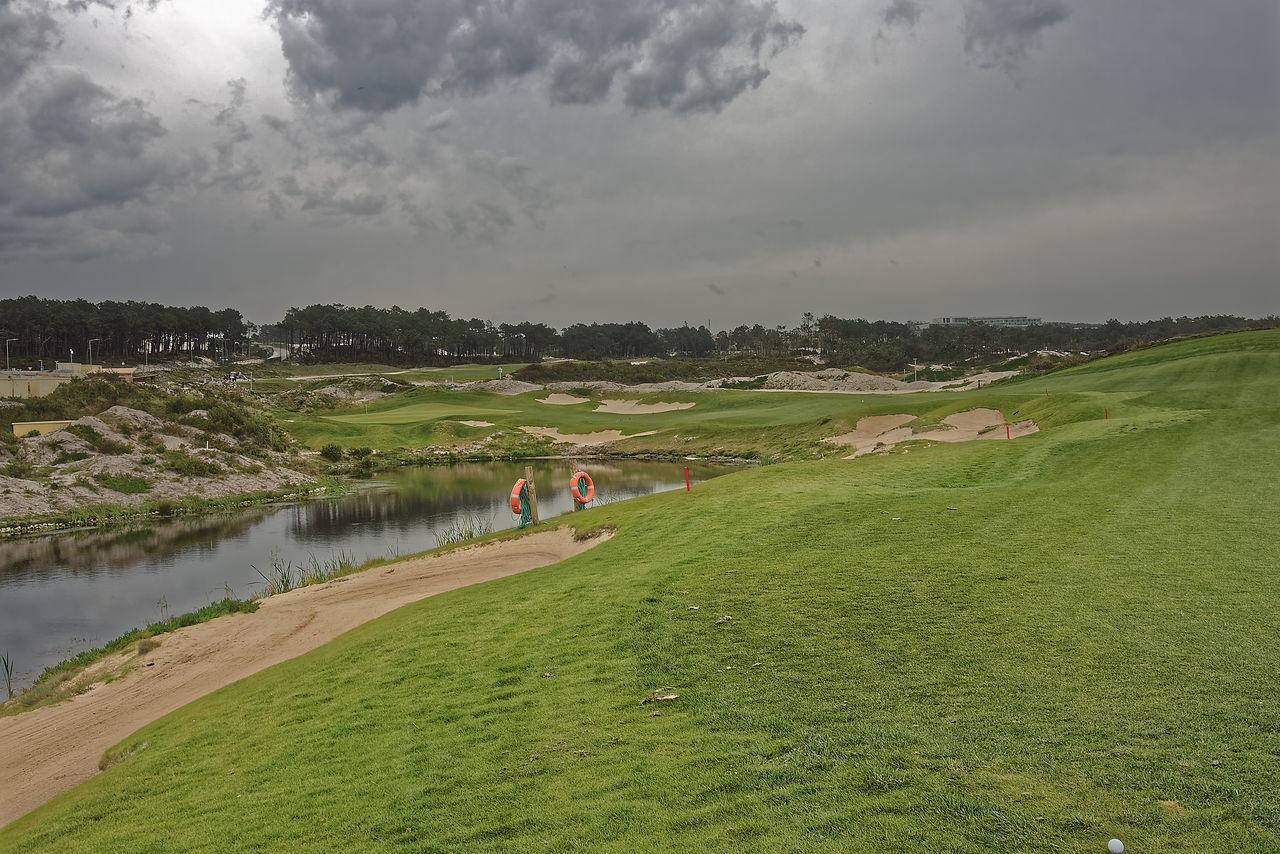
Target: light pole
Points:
x,y
146,354
6,352
91,340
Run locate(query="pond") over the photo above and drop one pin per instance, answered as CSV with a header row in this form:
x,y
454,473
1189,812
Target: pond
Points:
x,y
65,593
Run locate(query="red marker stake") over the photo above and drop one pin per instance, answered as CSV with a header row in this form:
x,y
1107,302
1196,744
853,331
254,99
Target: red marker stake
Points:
x,y
1106,413
1006,432
687,487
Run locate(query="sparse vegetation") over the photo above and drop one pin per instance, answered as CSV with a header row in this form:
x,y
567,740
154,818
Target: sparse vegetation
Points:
x,y
461,530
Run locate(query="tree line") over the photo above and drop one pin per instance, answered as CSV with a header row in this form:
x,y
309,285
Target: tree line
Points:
x,y
395,335
134,332
51,330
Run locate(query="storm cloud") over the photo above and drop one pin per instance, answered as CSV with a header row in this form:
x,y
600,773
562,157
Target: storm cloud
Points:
x,y
999,33
26,32
687,57
76,159
663,160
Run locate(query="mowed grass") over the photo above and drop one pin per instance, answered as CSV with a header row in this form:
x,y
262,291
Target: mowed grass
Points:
x,y
1086,646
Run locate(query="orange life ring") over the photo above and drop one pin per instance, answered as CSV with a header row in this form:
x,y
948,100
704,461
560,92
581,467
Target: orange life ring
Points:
x,y
573,487
515,495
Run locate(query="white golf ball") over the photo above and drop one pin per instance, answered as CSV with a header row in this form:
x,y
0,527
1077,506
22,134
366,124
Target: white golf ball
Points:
x,y
1115,846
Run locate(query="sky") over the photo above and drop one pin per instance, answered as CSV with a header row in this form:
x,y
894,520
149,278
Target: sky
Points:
x,y
668,161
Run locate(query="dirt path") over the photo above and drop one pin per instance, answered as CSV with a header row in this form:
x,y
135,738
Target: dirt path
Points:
x,y
49,750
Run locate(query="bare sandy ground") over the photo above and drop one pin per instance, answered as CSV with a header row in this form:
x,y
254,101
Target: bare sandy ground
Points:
x,y
49,750
599,438
635,407
476,423
563,399
879,432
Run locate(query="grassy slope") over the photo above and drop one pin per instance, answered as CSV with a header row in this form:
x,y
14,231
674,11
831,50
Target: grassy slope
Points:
x,y
1091,632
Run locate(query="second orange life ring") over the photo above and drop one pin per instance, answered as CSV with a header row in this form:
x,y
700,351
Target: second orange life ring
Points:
x,y
579,495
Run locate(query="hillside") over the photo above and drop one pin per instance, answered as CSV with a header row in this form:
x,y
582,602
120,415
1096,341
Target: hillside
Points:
x,y
1031,645
138,449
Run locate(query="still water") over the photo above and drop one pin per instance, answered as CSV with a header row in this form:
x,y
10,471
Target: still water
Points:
x,y
65,593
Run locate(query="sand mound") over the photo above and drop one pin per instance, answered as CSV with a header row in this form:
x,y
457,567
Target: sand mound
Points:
x,y
880,432
974,419
635,407
600,438
51,749
563,399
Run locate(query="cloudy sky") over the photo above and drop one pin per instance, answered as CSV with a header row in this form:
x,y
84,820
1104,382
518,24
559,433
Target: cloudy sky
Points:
x,y
731,161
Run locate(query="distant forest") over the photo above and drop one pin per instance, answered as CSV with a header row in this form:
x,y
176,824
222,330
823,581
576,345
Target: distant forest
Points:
x,y
135,332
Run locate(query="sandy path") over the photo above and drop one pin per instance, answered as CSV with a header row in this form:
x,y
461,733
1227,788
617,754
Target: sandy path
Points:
x,y
49,750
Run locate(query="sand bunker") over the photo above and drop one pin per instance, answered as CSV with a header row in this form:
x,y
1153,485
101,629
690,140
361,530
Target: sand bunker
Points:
x,y
49,750
563,399
477,423
880,432
635,407
600,438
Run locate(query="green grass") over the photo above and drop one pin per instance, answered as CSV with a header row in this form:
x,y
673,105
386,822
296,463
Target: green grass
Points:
x,y
1086,646
721,423
129,484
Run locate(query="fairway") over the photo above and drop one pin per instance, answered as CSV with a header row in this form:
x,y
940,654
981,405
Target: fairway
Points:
x,y
998,646
416,413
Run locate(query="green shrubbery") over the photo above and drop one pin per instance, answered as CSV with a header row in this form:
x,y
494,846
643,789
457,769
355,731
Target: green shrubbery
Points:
x,y
129,484
191,466
97,441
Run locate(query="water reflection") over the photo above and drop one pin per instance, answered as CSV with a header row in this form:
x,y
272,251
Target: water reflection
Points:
x,y
119,549
63,593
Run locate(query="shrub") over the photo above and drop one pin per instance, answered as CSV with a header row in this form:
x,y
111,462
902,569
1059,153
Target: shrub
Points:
x,y
99,442
359,453
129,484
331,452
184,464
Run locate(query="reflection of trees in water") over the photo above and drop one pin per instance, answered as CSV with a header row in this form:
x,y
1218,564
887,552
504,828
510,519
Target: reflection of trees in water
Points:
x,y
431,492
116,550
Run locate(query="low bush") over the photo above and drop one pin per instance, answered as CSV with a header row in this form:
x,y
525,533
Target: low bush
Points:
x,y
129,484
191,466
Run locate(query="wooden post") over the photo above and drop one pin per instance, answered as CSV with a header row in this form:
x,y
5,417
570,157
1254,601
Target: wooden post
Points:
x,y
533,494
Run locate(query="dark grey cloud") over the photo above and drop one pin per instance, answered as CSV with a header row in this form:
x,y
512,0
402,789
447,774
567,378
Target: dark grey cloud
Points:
x,y
690,56
998,33
902,13
26,33
75,158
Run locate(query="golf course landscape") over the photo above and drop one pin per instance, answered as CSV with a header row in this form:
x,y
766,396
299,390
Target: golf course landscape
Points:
x,y
1031,645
